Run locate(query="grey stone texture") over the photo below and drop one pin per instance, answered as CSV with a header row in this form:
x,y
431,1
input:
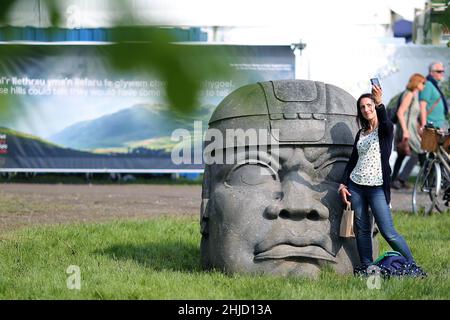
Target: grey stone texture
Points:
x,y
276,209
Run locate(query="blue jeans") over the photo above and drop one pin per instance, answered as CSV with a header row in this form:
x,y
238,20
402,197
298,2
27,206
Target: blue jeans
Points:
x,y
361,198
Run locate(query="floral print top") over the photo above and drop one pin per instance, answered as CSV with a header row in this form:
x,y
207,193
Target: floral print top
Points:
x,y
367,171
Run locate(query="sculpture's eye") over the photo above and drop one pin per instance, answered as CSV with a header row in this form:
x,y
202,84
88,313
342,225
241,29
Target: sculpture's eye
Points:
x,y
332,169
250,175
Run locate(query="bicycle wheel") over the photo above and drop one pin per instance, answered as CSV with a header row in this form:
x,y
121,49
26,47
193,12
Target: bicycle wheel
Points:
x,y
441,199
424,193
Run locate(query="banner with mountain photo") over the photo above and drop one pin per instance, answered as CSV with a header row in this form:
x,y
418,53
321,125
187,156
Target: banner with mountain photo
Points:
x,y
67,108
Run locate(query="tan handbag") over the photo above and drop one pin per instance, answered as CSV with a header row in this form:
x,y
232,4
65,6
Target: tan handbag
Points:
x,y
346,230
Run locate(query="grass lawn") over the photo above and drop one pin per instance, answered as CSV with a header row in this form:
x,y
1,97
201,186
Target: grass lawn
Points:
x,y
159,259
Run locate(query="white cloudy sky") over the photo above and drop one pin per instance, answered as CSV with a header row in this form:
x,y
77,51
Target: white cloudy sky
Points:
x,y
294,13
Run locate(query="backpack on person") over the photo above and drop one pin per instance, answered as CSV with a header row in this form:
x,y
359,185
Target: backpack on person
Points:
x,y
393,106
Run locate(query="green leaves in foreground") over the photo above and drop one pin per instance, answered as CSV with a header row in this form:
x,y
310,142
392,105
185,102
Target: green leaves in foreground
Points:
x,y
184,68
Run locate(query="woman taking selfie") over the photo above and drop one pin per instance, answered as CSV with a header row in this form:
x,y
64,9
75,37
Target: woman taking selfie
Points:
x,y
366,178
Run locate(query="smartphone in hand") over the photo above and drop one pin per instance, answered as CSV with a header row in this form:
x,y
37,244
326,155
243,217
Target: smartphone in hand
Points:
x,y
375,82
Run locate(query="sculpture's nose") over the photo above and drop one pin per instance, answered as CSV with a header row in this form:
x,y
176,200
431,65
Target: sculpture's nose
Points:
x,y
298,201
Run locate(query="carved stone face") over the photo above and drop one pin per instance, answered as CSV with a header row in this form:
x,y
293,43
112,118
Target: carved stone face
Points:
x,y
280,215
281,222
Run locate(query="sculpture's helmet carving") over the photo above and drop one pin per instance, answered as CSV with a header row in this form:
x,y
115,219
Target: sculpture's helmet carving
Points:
x,y
304,112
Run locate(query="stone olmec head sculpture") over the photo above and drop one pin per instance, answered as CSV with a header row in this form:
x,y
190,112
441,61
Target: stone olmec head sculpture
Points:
x,y
269,197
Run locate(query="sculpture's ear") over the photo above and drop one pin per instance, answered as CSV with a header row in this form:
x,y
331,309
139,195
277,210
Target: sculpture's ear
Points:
x,y
206,182
204,220
204,216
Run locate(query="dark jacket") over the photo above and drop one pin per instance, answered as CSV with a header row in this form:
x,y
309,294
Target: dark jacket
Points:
x,y
385,135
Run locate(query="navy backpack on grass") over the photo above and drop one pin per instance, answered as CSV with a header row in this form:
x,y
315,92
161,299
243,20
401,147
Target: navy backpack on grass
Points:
x,y
391,264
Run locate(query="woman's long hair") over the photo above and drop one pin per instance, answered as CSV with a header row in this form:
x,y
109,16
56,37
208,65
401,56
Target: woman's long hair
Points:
x,y
415,80
364,124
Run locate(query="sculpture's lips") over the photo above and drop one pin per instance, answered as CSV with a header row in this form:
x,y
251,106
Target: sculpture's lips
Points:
x,y
286,251
283,242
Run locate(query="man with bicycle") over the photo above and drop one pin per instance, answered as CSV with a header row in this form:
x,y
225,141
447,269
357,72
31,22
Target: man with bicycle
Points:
x,y
433,104
433,180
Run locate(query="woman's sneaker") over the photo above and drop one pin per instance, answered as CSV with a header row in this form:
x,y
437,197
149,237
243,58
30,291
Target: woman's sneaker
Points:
x,y
362,270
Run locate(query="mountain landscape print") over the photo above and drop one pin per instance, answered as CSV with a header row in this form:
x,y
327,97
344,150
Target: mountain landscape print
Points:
x,y
139,136
134,127
81,114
